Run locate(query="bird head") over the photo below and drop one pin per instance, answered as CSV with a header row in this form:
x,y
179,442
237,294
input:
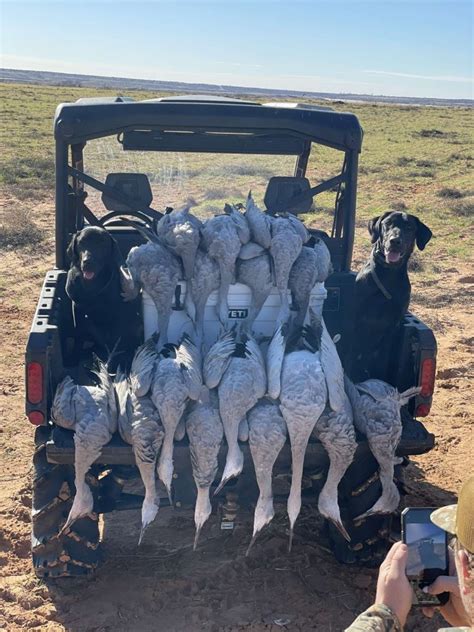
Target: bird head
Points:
x,y
82,506
329,508
264,513
149,512
202,511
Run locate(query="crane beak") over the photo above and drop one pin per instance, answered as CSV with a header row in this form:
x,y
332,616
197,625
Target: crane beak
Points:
x,y
221,485
67,525
70,521
142,533
252,542
196,537
290,540
367,514
340,527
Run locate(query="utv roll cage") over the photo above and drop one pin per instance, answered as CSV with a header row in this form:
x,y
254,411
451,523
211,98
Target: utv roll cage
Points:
x,y
206,124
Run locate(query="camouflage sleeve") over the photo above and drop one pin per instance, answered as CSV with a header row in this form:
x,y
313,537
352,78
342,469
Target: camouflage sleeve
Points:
x,y
378,618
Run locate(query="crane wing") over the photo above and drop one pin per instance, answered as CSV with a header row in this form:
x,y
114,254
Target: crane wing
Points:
x,y
254,354
218,358
63,411
188,356
333,371
107,387
125,408
275,355
143,367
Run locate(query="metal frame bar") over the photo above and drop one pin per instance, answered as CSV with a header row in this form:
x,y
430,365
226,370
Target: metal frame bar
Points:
x,y
76,122
61,166
350,201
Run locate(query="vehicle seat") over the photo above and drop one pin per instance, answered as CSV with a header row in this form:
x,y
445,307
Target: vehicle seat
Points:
x,y
281,190
134,185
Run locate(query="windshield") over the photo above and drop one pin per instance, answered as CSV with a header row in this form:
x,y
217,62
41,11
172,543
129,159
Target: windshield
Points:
x,y
210,179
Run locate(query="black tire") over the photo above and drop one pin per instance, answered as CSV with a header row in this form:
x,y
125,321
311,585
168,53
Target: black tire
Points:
x,y
359,490
76,553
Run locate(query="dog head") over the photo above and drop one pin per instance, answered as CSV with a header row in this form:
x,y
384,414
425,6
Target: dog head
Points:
x,y
93,250
395,235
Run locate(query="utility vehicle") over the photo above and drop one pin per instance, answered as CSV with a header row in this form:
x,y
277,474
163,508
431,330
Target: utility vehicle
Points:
x,y
113,155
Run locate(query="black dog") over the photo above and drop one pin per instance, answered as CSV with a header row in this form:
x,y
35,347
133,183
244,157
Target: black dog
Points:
x,y
93,284
382,291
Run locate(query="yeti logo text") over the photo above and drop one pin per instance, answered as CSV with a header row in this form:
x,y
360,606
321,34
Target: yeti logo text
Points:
x,y
238,313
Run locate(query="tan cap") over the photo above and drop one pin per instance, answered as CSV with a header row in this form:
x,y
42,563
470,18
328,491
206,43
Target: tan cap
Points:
x,y
459,519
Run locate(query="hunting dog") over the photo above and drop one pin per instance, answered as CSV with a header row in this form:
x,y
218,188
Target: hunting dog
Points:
x,y
382,291
93,285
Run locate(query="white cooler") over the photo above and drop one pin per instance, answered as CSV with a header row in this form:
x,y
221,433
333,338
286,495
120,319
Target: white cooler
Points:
x,y
238,300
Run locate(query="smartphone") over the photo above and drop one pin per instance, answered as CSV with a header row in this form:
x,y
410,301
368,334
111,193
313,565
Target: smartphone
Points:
x,y
427,554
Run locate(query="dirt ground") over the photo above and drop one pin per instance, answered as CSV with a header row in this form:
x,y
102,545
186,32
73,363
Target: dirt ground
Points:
x,y
163,585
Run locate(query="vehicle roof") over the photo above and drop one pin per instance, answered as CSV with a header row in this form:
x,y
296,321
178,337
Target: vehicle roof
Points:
x,y
104,116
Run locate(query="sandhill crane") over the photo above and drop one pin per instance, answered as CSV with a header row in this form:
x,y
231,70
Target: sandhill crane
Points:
x,y
179,231
157,270
267,436
205,433
376,407
140,425
91,412
235,365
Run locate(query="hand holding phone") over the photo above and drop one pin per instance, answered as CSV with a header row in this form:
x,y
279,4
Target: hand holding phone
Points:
x,y
454,611
393,587
427,554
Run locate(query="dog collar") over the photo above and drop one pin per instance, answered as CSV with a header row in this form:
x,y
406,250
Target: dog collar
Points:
x,y
377,281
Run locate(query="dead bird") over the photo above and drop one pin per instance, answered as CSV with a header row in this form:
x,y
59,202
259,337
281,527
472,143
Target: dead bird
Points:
x,y
177,378
205,433
180,231
376,407
91,412
140,425
234,364
267,436
155,269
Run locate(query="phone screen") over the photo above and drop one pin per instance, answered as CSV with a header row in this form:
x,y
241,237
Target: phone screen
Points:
x,y
427,549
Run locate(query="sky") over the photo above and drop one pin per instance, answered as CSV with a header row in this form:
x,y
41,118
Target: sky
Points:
x,y
402,48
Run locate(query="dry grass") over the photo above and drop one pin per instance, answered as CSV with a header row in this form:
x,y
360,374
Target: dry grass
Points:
x,y
17,230
408,163
464,208
448,192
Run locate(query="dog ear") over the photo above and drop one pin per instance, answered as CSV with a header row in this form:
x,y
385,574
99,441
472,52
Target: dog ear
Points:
x,y
374,226
374,229
423,234
72,250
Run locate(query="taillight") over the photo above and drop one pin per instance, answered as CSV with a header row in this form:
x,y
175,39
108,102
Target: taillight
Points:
x,y
423,410
428,372
34,382
427,382
36,417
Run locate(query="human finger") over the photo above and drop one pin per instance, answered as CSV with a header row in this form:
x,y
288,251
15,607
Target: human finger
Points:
x,y
443,583
428,611
399,558
393,550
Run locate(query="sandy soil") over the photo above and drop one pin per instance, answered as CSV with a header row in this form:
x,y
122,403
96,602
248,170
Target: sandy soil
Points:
x,y
164,585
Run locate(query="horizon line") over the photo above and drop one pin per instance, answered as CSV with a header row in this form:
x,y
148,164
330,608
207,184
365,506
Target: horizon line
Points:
x,y
222,87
